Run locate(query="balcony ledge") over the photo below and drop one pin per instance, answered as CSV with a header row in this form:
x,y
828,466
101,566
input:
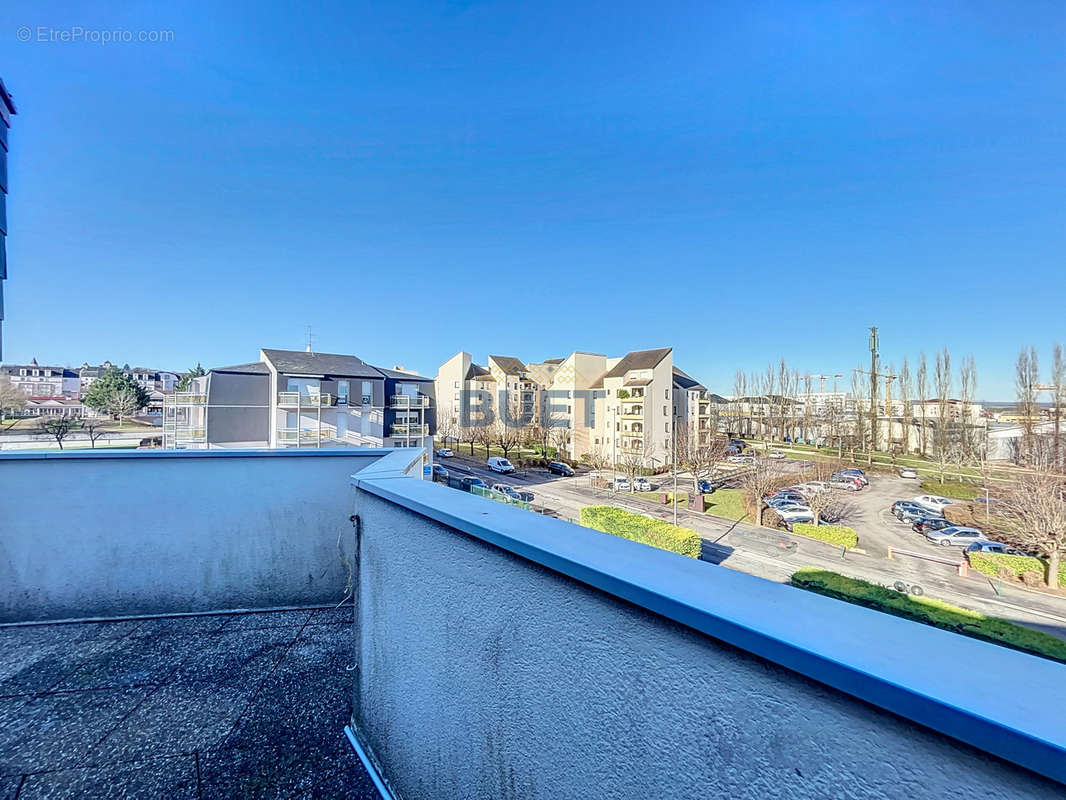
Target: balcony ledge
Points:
x,y
863,653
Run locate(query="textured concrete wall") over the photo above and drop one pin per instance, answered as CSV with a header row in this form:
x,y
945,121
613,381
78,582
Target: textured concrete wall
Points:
x,y
173,532
483,675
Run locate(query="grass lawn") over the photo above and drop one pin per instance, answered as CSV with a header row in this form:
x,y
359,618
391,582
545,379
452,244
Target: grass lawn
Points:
x,y
957,490
930,612
728,503
682,497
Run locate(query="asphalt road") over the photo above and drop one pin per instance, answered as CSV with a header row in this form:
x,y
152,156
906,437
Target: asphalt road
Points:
x,y
775,555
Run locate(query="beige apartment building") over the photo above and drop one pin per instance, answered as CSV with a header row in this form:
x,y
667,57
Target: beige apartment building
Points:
x,y
623,408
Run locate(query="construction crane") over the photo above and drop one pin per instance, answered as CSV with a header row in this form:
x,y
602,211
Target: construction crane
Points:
x,y
822,379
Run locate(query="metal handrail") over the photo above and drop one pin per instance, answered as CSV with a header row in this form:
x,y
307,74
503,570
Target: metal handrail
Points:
x,y
300,399
409,401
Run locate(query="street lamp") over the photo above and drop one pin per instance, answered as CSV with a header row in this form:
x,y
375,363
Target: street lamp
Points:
x,y
986,504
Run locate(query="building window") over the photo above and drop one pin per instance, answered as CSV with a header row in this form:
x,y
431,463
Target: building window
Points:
x,y
342,393
457,384
368,393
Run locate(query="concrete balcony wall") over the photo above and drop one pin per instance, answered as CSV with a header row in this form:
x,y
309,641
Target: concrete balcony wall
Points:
x,y
506,655
114,534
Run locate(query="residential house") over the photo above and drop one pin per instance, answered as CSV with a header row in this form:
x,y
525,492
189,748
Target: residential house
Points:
x,y
38,380
290,398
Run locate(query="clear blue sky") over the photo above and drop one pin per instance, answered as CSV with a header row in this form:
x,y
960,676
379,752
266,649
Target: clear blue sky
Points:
x,y
742,181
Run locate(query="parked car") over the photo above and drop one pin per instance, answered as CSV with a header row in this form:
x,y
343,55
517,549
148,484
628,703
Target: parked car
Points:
x,y
643,485
500,464
782,506
813,487
911,514
851,472
846,482
930,524
908,472
900,504
790,518
955,535
440,473
443,452
559,468
511,491
621,484
933,501
775,454
706,487
467,483
994,547
786,494
740,459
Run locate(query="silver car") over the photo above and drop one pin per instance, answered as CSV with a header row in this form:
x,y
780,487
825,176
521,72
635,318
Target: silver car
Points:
x,y
955,535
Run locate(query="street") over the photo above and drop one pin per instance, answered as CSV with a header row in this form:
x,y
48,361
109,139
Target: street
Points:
x,y
775,555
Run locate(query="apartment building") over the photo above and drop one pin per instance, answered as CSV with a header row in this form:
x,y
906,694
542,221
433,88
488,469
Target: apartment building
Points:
x,y
552,392
290,398
37,380
620,408
151,380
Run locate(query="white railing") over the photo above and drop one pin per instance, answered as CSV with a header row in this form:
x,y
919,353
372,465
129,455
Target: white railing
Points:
x,y
410,430
308,400
409,401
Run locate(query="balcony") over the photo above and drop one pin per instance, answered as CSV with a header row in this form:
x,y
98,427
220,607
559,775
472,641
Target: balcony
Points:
x,y
492,648
185,399
401,401
302,436
301,400
410,429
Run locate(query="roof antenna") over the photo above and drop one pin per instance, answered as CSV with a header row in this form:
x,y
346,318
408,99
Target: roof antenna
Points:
x,y
309,338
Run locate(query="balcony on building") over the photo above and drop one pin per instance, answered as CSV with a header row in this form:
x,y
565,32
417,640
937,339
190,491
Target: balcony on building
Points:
x,y
326,623
404,401
306,400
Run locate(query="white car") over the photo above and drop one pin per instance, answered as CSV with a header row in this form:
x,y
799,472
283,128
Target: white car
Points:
x,y
775,454
500,464
443,452
807,489
621,484
642,485
933,502
741,459
908,472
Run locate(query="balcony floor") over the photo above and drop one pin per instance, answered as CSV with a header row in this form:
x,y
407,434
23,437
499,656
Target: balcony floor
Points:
x,y
231,705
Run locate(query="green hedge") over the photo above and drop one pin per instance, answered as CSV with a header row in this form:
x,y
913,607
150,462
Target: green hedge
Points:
x,y
642,529
840,535
956,490
991,563
930,612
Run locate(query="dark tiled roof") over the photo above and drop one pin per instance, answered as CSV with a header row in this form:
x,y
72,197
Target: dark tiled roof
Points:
x,y
478,372
403,376
509,365
251,368
686,381
13,369
638,359
242,705
554,360
299,362
643,382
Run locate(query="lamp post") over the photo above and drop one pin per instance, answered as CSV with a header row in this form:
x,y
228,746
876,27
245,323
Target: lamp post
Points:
x,y
986,504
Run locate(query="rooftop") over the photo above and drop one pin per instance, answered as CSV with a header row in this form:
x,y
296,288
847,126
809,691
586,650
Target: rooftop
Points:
x,y
638,359
216,705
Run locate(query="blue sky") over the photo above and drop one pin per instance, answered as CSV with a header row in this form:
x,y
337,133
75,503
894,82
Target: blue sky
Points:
x,y
742,181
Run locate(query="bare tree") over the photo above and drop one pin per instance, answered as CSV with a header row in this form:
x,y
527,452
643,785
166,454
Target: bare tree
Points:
x,y
971,446
447,428
468,435
1035,515
124,403
759,480
921,386
826,504
59,428
94,429
598,460
740,390
12,398
945,434
633,463
700,457
906,392
1058,400
1026,379
485,435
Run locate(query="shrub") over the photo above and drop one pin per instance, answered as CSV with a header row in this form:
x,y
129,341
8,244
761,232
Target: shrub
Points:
x,y
930,612
639,528
1003,565
1032,578
839,535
